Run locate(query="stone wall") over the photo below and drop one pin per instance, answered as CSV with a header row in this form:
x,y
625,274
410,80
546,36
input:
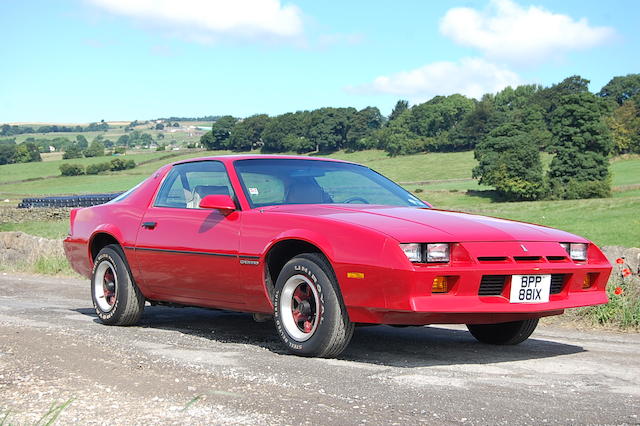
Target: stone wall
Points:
x,y
20,248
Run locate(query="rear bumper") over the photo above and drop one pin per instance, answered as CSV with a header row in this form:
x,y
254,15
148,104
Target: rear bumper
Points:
x,y
77,254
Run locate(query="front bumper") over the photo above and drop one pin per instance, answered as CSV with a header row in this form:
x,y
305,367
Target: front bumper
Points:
x,y
408,298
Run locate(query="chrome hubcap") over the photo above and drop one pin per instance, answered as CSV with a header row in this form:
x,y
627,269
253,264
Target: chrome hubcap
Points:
x,y
105,286
300,307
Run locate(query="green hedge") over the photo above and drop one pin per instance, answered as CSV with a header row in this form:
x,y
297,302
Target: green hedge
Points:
x,y
72,169
116,164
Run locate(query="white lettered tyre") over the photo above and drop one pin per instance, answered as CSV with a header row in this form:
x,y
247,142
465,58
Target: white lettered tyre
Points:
x,y
310,316
116,298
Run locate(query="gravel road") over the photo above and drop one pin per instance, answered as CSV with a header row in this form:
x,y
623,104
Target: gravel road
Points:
x,y
195,366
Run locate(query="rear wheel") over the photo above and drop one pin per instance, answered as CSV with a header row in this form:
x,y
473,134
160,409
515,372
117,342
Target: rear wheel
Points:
x,y
116,298
504,333
309,314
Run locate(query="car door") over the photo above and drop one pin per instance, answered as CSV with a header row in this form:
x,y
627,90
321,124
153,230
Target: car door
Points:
x,y
186,254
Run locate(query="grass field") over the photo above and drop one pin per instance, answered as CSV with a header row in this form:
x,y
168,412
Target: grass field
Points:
x,y
443,179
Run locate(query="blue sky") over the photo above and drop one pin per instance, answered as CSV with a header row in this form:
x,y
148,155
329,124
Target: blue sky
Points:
x,y
87,60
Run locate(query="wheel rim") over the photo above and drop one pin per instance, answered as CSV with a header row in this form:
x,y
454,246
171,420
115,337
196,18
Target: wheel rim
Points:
x,y
300,307
105,286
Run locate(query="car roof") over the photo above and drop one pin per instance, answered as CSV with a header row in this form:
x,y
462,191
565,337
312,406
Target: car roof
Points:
x,y
234,157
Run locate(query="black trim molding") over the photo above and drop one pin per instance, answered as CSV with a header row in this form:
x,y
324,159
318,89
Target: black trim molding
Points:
x,y
201,253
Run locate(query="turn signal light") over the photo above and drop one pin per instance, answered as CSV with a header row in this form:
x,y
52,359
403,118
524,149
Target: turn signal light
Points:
x,y
440,285
588,280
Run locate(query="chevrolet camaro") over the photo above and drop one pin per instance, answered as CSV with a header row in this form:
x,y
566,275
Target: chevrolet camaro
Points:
x,y
323,245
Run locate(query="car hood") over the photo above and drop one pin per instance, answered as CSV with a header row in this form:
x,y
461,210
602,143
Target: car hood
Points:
x,y
410,224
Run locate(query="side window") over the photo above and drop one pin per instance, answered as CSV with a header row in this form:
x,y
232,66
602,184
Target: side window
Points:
x,y
188,183
263,189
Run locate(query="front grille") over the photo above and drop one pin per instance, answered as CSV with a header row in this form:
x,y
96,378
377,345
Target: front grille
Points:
x,y
492,285
557,282
556,258
526,258
492,259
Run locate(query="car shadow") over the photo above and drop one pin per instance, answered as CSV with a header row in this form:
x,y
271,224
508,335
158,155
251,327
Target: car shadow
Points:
x,y
405,347
210,221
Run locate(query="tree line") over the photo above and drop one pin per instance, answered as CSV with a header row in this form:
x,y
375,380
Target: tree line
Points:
x,y
508,131
205,118
14,130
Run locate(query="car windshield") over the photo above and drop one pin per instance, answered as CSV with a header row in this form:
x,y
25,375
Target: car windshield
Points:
x,y
292,181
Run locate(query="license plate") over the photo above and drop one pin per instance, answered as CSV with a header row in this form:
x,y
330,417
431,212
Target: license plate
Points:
x,y
530,288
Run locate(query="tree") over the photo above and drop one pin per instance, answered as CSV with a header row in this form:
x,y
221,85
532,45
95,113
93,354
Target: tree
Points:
x,y
247,134
401,106
96,149
475,125
510,161
7,151
27,152
580,168
363,124
82,142
289,124
622,88
217,138
146,139
299,144
123,141
549,98
329,127
159,126
534,124
397,138
624,124
134,138
72,151
437,116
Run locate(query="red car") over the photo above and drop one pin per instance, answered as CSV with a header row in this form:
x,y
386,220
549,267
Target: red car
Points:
x,y
323,245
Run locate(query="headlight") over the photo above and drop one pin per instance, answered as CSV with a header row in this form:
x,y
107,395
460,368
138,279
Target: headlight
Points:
x,y
430,253
438,252
577,251
413,251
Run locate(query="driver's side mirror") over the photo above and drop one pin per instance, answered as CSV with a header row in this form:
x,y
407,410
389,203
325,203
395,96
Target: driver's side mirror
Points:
x,y
224,203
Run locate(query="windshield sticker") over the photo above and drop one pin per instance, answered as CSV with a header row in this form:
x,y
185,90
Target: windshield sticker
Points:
x,y
254,191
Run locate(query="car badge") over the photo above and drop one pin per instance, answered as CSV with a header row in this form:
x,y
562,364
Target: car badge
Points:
x,y
523,247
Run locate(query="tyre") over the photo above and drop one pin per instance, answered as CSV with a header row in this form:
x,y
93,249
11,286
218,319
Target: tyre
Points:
x,y
309,314
116,298
504,333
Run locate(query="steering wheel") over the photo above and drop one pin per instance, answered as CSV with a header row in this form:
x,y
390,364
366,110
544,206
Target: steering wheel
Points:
x,y
356,199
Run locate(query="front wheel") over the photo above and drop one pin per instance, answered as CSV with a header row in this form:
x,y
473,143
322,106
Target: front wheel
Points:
x,y
504,333
309,314
116,298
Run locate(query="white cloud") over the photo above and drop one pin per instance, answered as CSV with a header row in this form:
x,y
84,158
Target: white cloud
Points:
x,y
512,33
471,77
213,20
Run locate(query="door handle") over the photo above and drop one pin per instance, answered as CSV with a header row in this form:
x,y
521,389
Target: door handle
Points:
x,y
149,225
